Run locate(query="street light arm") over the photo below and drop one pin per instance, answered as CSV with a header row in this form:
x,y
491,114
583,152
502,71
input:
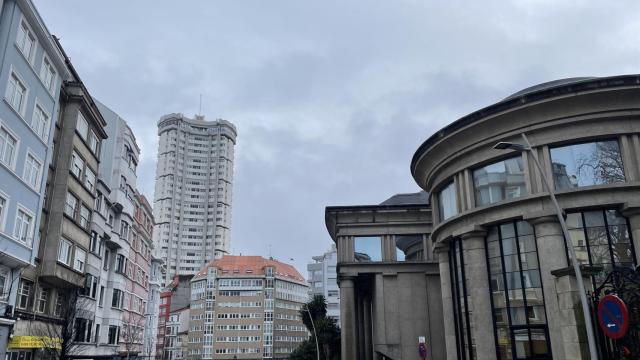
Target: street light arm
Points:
x,y
572,252
315,334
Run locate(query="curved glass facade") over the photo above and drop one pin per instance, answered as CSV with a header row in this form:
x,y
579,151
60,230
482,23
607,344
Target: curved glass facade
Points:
x,y
517,298
462,311
499,181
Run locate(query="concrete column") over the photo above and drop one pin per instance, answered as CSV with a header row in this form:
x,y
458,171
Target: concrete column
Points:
x,y
475,259
633,214
442,253
348,340
559,302
368,346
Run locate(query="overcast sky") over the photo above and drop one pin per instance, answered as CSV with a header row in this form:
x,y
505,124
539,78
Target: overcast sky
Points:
x,y
331,98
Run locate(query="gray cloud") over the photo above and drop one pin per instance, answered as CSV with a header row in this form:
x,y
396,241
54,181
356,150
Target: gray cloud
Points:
x,y
331,98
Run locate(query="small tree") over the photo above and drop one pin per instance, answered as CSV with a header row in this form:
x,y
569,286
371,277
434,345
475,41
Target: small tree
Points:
x,y
326,330
61,333
132,334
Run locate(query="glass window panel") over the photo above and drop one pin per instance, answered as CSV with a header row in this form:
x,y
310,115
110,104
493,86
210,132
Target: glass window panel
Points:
x,y
529,261
447,202
539,342
593,218
511,263
509,246
523,348
597,236
494,249
524,228
504,342
514,281
619,234
368,248
574,221
507,231
587,164
615,218
518,315
498,181
622,253
497,282
536,315
527,243
531,279
600,254
495,265
492,234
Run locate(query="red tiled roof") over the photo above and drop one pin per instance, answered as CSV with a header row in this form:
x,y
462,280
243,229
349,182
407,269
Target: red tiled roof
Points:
x,y
250,265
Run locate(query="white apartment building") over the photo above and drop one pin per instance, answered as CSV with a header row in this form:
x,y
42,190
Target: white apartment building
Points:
x,y
192,202
322,281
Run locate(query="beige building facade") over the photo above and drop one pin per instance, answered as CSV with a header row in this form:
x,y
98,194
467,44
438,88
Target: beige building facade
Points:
x,y
246,307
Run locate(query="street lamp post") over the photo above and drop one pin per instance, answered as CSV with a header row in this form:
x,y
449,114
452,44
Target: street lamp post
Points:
x,y
315,335
572,252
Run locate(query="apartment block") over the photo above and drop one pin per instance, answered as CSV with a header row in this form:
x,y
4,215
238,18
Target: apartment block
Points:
x,y
322,281
31,70
246,307
192,201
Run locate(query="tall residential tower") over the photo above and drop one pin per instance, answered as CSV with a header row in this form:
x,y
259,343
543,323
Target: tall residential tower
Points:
x,y
192,204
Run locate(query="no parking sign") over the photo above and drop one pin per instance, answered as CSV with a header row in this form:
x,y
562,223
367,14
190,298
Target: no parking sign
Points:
x,y
613,316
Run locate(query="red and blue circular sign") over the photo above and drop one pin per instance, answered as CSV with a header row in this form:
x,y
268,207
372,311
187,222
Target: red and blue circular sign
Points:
x,y
613,316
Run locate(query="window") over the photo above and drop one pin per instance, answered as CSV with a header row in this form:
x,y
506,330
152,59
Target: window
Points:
x,y
94,143
124,229
97,339
82,126
43,299
499,181
80,329
77,164
48,74
116,299
71,205
85,216
368,248
95,243
3,211
89,179
462,316
32,169
64,252
447,204
587,164
80,259
516,291
26,41
120,264
60,299
8,147
601,237
101,299
409,247
40,122
16,93
24,294
90,286
23,229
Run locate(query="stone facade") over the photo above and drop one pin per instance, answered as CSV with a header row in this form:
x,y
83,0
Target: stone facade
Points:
x,y
500,247
389,279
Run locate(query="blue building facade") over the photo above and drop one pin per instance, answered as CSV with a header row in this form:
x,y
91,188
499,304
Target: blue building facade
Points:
x,y
31,71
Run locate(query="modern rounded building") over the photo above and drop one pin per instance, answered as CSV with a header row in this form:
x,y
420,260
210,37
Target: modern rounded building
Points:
x,y
508,288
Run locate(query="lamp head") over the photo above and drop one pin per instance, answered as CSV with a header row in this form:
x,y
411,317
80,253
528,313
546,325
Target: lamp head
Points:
x,y
503,145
